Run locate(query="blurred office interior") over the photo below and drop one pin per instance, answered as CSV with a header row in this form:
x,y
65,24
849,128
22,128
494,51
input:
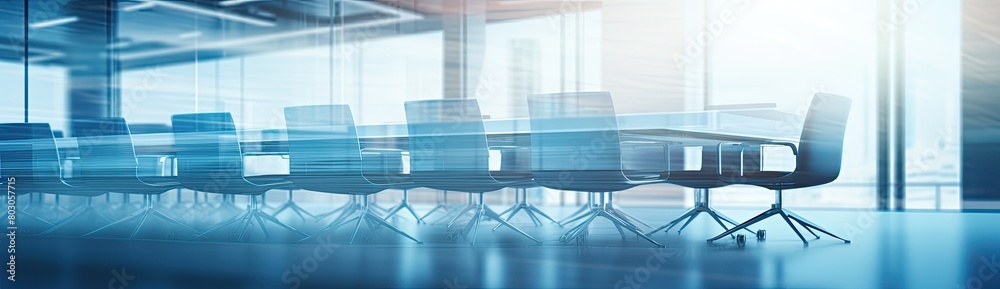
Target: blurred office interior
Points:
x,y
923,77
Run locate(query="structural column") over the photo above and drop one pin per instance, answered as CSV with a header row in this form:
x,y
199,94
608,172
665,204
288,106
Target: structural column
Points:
x,y
464,27
93,70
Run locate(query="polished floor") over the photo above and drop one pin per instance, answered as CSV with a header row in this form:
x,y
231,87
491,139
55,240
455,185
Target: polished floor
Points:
x,y
889,250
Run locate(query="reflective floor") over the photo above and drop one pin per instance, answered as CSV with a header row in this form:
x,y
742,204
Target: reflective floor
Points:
x,y
889,250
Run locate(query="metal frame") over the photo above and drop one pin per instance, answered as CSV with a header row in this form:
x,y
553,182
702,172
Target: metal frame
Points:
x,y
361,212
521,204
785,214
700,206
603,208
144,214
482,211
247,219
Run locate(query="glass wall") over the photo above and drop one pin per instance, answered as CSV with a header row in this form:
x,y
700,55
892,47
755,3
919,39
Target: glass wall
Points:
x,y
253,58
932,93
781,53
12,63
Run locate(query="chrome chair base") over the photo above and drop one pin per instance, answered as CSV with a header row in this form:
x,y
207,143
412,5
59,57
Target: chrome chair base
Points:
x,y
404,204
700,206
143,215
365,215
87,212
247,219
605,210
441,205
481,211
521,203
342,212
785,214
469,207
579,212
295,208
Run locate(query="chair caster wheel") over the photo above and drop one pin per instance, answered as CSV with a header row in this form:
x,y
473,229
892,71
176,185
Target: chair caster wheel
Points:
x,y
761,235
741,240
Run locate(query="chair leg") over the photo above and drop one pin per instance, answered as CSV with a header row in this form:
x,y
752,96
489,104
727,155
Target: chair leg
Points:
x,y
363,215
701,205
351,203
785,214
442,204
295,208
621,214
671,224
539,212
808,224
482,211
603,209
253,215
630,227
404,204
695,215
521,204
461,213
579,212
144,214
88,212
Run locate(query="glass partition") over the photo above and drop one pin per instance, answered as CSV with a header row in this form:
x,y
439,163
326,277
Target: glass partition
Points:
x,y
253,58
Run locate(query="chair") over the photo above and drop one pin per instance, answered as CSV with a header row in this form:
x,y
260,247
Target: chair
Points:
x,y
107,162
817,158
575,146
28,153
449,151
210,159
701,181
325,155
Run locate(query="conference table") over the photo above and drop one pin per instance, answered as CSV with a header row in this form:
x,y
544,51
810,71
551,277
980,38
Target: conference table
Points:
x,y
687,128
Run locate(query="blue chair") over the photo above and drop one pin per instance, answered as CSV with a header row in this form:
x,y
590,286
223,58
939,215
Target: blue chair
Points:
x,y
701,180
325,155
107,162
449,151
28,153
210,159
817,162
575,146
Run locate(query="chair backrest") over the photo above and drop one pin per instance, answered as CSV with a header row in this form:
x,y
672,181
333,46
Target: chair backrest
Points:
x,y
448,146
821,145
209,157
575,143
28,153
106,152
324,149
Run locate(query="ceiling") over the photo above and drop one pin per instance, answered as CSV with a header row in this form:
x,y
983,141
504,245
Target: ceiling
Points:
x,y
154,32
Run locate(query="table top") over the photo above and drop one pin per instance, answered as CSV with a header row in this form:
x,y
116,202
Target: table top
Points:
x,y
692,127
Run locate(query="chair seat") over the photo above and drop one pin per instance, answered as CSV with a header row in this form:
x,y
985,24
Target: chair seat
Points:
x,y
695,179
511,177
269,180
160,181
766,174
